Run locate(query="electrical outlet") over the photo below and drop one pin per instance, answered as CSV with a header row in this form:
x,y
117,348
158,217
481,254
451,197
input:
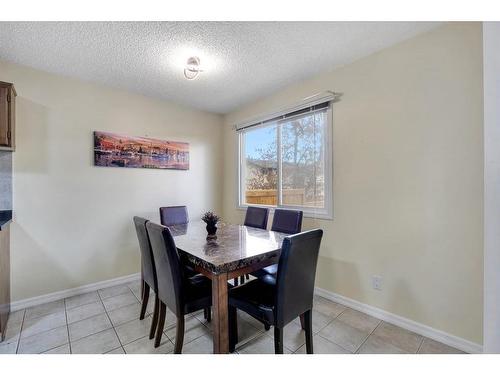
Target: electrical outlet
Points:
x,y
377,282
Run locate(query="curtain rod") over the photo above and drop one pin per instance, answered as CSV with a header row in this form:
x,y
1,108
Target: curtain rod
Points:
x,y
321,97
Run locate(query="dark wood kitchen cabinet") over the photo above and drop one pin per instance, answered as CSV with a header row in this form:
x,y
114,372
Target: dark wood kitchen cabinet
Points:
x,y
7,116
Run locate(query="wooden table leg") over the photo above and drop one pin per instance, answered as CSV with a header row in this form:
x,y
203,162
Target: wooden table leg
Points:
x,y
220,312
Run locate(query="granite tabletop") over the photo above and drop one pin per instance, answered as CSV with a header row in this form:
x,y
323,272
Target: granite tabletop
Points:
x,y
236,246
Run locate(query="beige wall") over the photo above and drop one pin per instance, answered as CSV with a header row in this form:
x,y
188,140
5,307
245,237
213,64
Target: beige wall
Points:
x,y
408,178
73,221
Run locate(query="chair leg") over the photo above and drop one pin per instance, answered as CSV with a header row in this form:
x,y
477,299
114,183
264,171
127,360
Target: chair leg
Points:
x,y
154,323
145,299
247,276
235,281
161,324
267,327
278,340
179,335
208,313
309,333
242,279
233,329
302,322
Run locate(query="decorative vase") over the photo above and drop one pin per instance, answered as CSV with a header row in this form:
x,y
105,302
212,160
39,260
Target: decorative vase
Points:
x,y
211,229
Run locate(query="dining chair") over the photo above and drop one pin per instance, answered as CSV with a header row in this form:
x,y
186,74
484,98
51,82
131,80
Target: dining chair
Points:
x,y
148,272
178,215
287,221
173,215
180,293
256,217
291,296
284,221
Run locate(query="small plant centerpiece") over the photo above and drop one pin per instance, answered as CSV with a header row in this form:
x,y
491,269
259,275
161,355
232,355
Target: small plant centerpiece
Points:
x,y
211,219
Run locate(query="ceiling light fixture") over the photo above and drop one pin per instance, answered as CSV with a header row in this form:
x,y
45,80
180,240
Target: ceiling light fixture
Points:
x,y
192,68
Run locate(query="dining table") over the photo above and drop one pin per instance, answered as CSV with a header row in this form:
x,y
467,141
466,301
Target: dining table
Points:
x,y
236,250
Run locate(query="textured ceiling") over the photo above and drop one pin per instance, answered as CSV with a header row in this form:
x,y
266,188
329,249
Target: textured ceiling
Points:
x,y
242,60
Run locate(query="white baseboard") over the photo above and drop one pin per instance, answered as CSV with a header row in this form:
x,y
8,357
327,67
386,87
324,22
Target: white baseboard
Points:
x,y
29,302
419,328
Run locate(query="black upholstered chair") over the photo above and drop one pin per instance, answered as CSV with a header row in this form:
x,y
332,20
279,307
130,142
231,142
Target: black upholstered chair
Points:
x,y
173,215
181,294
291,296
284,221
256,217
177,215
148,272
287,221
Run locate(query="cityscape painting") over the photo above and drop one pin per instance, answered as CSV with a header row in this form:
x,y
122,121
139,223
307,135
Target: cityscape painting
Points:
x,y
114,150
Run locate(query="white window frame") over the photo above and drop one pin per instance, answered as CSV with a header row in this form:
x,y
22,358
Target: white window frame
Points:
x,y
311,212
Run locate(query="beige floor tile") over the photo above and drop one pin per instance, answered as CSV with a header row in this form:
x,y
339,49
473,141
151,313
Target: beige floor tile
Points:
x,y
199,315
202,345
323,346
63,349
113,303
341,329
116,351
250,319
376,345
359,320
44,309
343,334
81,299
247,331
170,320
319,321
327,307
146,346
114,291
44,323
262,344
88,327
136,289
8,348
133,330
399,337
293,336
135,284
243,319
193,329
151,303
43,341
13,332
16,316
248,327
125,314
430,346
84,311
98,343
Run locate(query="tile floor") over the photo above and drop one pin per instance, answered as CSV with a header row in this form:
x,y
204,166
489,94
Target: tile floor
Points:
x,y
107,321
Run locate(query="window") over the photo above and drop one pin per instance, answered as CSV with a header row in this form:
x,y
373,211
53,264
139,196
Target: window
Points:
x,y
286,162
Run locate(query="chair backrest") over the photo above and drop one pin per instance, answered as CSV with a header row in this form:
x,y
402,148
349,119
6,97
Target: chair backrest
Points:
x,y
173,215
256,217
296,275
287,221
168,267
147,258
